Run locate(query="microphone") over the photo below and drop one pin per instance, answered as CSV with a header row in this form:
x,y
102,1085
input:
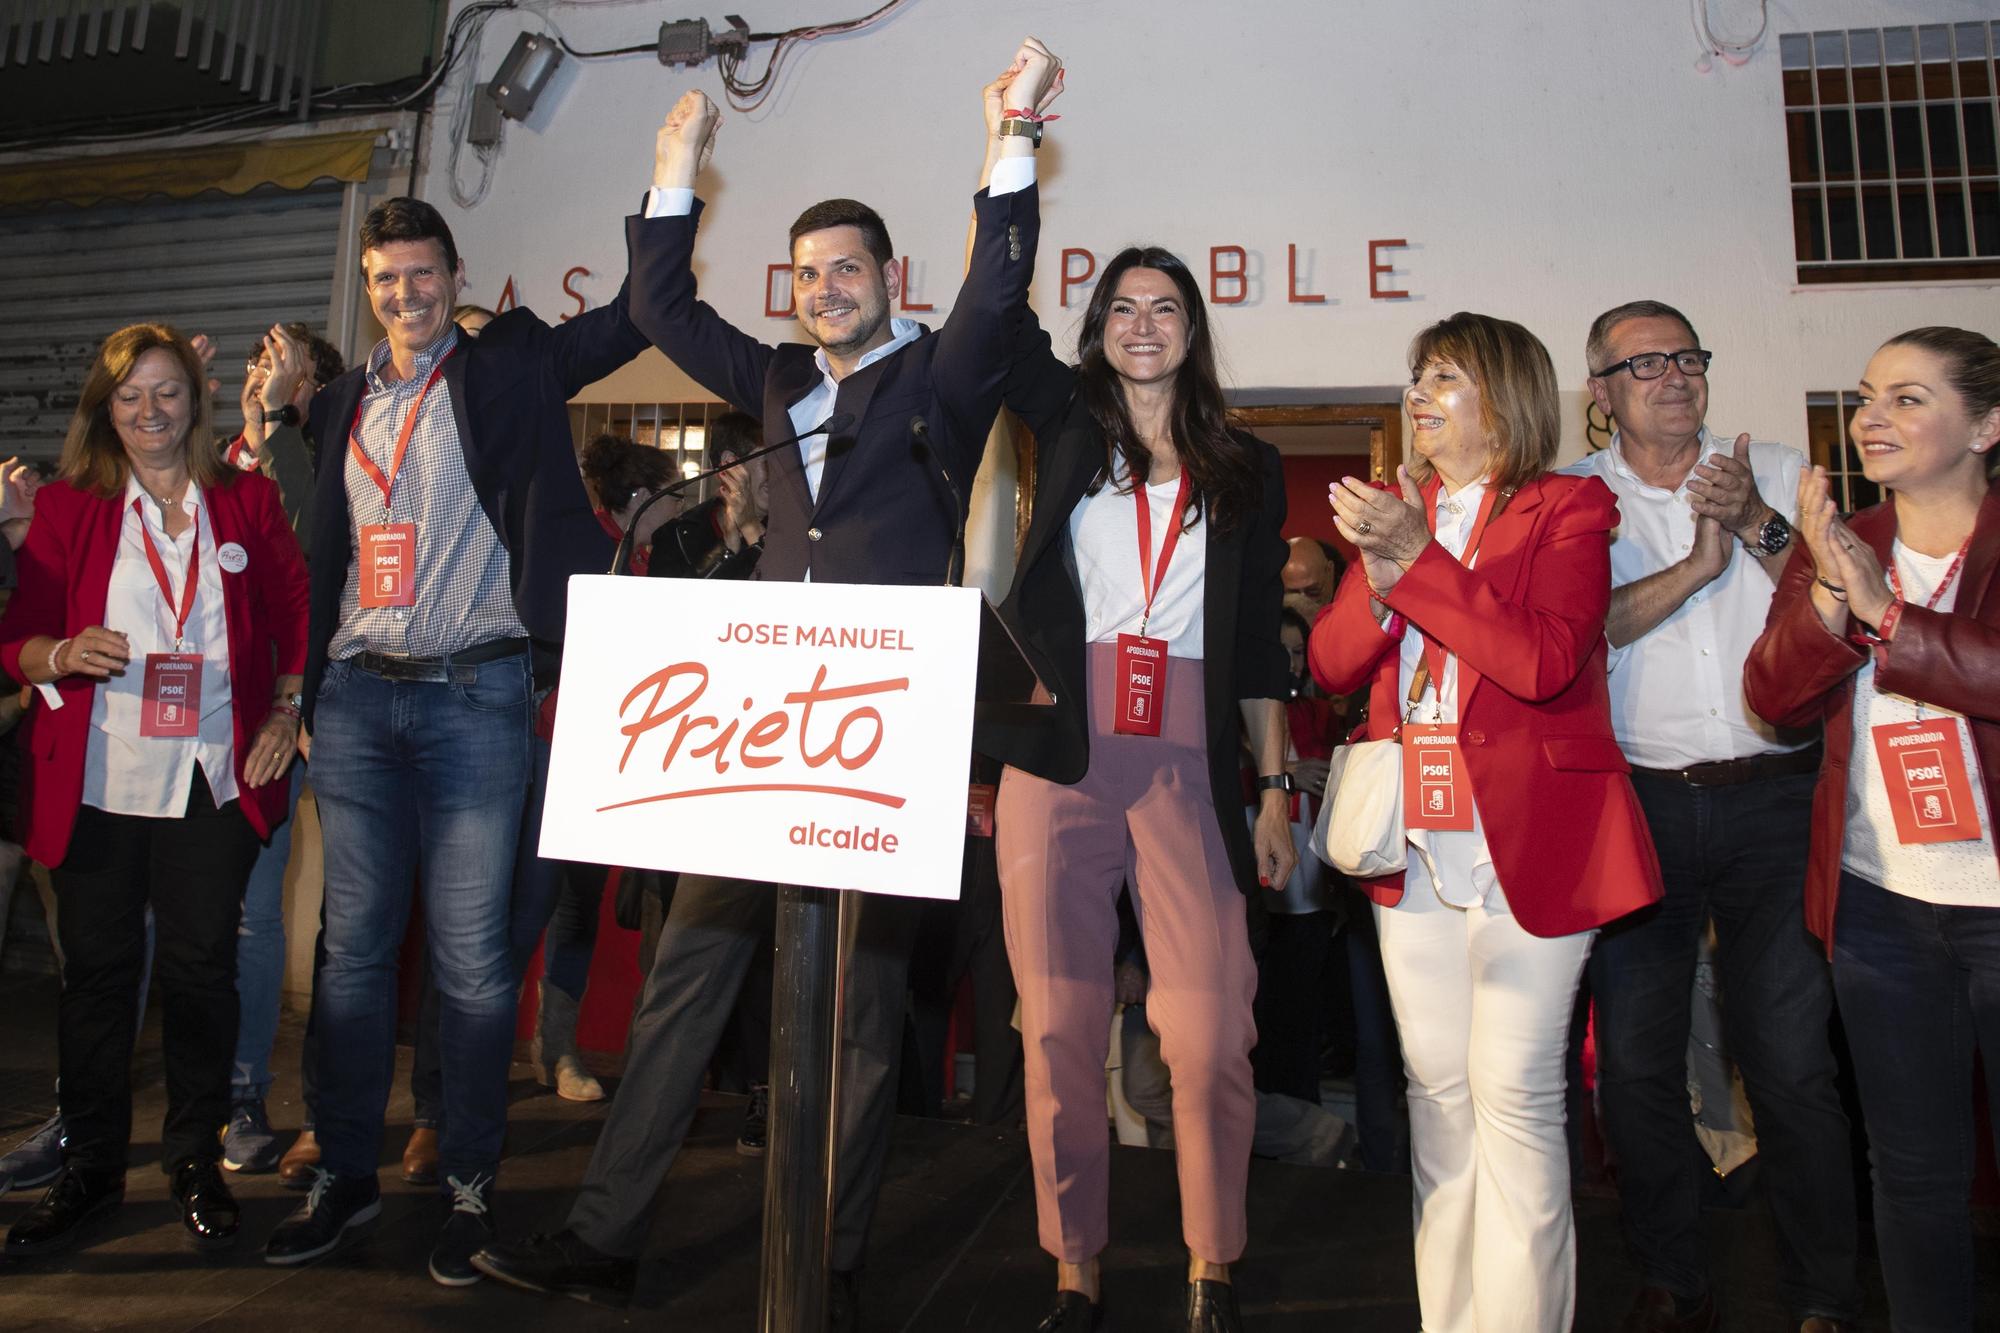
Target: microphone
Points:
x,y
833,425
954,564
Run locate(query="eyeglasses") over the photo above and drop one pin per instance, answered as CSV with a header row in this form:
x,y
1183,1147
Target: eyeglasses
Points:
x,y
1652,365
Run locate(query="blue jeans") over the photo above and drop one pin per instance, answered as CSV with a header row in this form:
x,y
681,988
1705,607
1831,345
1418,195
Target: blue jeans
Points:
x,y
1735,854
418,782
1919,987
260,956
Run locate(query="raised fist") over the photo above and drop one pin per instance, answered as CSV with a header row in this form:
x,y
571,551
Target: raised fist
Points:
x,y
687,139
1037,78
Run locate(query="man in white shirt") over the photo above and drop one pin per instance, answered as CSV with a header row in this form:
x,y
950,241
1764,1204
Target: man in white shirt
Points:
x,y
1704,532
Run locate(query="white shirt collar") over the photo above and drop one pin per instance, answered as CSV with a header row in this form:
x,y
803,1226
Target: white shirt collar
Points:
x,y
902,332
190,499
1616,451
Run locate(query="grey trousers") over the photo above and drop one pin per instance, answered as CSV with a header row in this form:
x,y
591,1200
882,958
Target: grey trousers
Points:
x,y
711,935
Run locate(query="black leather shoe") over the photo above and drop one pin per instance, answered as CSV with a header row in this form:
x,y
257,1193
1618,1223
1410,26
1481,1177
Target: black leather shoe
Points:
x,y
65,1212
1211,1307
335,1205
843,1301
1073,1312
563,1264
208,1209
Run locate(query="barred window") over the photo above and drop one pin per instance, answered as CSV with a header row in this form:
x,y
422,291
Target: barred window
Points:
x,y
1892,135
1827,444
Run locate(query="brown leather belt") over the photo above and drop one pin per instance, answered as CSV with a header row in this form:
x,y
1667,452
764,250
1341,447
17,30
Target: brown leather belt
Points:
x,y
1730,772
453,668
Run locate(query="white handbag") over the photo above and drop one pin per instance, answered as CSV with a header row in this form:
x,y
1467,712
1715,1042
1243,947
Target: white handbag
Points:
x,y
1360,830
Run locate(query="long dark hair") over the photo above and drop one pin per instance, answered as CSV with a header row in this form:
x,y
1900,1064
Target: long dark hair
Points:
x,y
1222,468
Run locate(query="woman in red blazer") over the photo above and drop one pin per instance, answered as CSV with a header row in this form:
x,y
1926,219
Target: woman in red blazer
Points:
x,y
1887,629
161,614
1476,611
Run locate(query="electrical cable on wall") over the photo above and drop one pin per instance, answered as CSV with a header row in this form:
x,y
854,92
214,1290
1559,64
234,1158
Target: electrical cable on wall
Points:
x,y
1731,52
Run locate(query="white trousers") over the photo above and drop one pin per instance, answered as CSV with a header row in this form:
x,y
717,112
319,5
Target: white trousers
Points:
x,y
1483,1009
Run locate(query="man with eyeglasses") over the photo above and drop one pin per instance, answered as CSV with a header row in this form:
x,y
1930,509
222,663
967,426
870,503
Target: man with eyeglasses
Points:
x,y
1729,799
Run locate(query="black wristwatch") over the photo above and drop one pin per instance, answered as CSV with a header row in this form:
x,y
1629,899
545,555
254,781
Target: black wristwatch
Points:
x,y
1774,534
1281,782
288,415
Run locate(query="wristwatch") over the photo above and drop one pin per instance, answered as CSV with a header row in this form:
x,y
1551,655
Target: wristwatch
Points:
x,y
296,699
1774,534
288,415
1030,130
1278,782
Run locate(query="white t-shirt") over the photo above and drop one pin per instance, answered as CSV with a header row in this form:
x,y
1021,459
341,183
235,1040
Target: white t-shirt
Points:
x,y
1104,534
1950,874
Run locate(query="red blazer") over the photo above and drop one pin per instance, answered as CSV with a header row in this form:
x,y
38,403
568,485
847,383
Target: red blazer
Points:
x,y
1569,840
1799,674
65,572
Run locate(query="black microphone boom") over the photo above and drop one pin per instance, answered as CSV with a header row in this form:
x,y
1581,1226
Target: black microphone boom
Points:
x,y
833,425
954,564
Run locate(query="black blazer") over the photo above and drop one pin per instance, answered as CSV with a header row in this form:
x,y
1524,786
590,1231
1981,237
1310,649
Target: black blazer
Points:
x,y
884,514
510,389
1242,595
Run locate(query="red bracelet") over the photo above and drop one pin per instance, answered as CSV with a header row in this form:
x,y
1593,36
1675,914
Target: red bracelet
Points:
x,y
287,710
1883,632
1038,118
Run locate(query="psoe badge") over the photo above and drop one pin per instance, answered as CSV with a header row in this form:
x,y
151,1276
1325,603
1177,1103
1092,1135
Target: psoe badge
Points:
x,y
233,557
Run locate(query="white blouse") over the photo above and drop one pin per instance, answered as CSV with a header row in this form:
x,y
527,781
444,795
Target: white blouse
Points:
x,y
1950,874
1456,864
126,773
1104,535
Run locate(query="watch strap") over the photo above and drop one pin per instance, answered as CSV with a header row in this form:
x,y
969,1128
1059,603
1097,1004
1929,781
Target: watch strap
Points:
x,y
1026,129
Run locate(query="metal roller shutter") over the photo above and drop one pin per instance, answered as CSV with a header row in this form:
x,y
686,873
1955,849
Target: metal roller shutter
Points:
x,y
229,267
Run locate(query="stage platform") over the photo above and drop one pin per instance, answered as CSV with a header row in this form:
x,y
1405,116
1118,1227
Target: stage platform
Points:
x,y
953,1249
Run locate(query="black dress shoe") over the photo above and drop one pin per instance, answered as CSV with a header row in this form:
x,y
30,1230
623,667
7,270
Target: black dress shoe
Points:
x,y
208,1210
1211,1307
563,1264
75,1200
335,1205
1657,1310
1073,1312
843,1301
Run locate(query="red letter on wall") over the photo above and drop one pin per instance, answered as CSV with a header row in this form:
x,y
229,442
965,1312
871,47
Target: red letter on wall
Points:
x,y
1292,292
1238,275
1376,268
509,298
1075,278
905,302
788,309
573,293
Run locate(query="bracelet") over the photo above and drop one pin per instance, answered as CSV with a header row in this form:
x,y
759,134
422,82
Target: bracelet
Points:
x,y
1839,593
287,710
56,672
1027,115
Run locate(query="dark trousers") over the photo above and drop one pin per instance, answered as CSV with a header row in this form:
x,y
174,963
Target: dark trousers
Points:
x,y
1919,988
191,871
1737,855
957,938
713,929
1291,1002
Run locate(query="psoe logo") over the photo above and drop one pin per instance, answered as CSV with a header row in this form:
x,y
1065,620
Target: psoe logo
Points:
x,y
819,739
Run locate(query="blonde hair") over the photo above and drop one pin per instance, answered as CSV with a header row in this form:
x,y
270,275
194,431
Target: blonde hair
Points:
x,y
1517,391
93,458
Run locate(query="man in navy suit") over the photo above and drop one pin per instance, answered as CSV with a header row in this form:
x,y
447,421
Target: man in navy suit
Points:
x,y
864,503
445,465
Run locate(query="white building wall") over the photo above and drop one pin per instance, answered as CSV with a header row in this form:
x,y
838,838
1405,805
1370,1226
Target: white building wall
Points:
x,y
1544,161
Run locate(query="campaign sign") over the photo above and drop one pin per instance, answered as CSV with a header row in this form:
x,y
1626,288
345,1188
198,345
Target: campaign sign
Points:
x,y
797,733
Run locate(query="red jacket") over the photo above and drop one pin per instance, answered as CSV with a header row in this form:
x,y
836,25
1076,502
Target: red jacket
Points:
x,y
1569,841
65,569
1799,674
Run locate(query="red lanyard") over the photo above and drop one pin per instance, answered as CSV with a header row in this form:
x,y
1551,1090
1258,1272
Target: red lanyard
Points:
x,y
1487,508
387,483
160,572
1937,594
1150,579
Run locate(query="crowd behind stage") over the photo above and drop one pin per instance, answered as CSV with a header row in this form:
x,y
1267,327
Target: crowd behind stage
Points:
x,y
1658,756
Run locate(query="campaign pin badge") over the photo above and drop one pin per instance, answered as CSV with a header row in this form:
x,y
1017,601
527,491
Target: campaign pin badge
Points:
x,y
233,557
